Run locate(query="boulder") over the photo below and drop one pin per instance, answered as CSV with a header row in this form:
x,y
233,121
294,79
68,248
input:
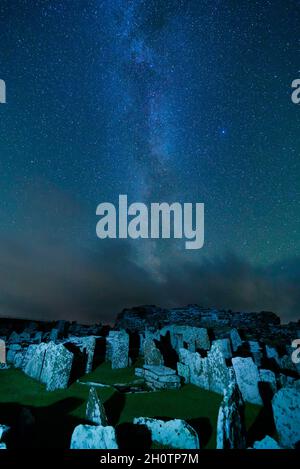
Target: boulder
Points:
x,y
57,367
83,349
286,412
266,443
172,434
95,412
93,437
247,377
89,344
231,433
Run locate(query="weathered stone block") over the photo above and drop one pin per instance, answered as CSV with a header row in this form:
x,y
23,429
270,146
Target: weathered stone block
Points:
x,y
95,412
247,377
93,437
172,434
56,367
286,411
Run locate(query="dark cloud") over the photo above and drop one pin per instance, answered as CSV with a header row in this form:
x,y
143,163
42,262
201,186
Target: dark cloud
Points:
x,y
51,280
56,268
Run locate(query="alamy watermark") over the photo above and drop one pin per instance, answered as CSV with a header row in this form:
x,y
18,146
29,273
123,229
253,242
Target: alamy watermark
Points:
x,y
2,92
295,96
296,354
159,220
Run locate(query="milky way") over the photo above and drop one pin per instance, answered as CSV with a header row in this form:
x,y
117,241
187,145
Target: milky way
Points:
x,y
186,101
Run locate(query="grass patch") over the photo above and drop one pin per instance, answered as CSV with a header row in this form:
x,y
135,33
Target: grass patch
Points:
x,y
57,413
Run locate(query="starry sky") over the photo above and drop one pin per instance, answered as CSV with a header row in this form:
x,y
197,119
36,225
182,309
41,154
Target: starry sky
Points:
x,y
163,100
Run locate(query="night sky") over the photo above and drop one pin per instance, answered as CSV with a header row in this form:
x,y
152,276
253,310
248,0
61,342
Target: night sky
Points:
x,y
186,101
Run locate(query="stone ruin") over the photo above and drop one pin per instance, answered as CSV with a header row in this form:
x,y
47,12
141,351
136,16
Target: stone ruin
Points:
x,y
244,357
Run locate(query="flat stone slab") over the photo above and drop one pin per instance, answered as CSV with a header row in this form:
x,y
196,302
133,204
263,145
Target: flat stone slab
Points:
x,y
149,376
160,370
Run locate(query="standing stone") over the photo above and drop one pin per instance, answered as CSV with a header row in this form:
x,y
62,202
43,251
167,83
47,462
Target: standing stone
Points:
x,y
152,355
2,352
231,432
217,369
119,348
172,434
198,368
247,377
93,437
95,412
286,411
90,345
57,367
255,350
236,340
34,360
53,335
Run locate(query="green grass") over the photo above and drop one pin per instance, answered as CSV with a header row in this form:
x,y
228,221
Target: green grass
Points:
x,y
105,375
57,413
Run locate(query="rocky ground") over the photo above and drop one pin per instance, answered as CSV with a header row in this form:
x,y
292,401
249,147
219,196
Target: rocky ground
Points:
x,y
179,378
